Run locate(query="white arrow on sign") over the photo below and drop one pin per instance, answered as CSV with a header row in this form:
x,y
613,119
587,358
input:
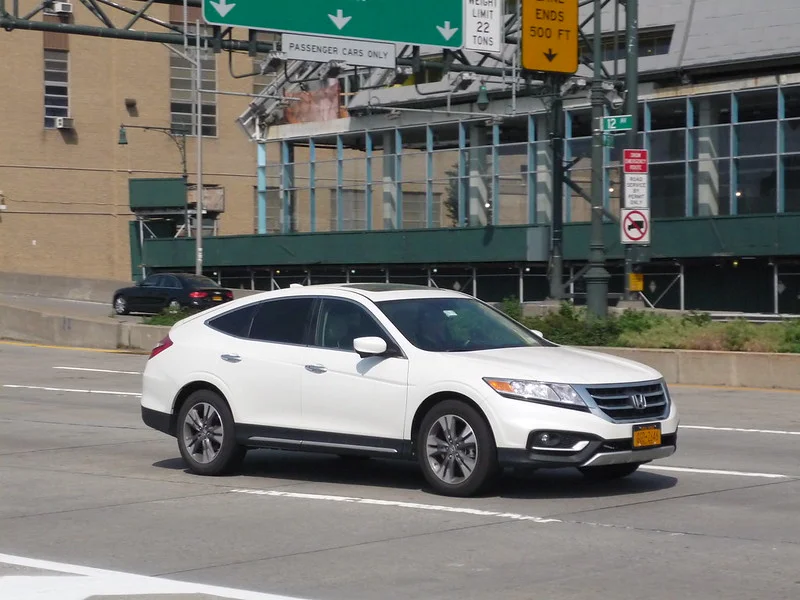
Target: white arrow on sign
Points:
x,y
223,8
340,20
446,31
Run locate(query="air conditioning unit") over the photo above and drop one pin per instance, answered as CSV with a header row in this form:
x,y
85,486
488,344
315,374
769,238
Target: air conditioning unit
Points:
x,y
65,123
59,8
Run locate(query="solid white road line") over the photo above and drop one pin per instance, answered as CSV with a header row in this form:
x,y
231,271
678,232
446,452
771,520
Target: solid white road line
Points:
x,y
397,504
740,430
92,582
55,389
716,472
98,370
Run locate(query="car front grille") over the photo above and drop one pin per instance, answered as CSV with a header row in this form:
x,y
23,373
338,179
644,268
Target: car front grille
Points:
x,y
618,401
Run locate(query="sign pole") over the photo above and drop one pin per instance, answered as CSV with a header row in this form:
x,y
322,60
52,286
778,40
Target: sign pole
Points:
x,y
597,276
557,220
632,101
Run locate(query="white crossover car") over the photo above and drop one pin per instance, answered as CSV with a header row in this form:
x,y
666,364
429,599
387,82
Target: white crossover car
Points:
x,y
400,371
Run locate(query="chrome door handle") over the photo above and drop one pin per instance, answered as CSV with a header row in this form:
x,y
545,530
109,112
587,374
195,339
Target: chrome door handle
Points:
x,y
233,358
316,368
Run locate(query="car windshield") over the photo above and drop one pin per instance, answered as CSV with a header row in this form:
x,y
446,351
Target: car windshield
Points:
x,y
200,281
456,325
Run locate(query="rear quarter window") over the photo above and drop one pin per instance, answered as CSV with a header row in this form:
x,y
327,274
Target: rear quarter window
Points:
x,y
236,322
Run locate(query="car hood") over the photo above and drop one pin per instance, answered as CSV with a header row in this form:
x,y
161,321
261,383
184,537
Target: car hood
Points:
x,y
555,364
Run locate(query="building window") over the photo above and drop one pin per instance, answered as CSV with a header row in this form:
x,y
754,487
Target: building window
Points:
x,y
354,210
652,42
273,210
182,75
56,86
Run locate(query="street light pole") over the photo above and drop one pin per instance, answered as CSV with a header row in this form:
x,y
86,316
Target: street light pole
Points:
x,y
632,104
597,276
198,264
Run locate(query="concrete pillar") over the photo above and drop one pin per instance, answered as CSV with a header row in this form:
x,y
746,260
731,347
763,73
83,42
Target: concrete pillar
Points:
x,y
389,181
544,174
707,169
479,177
287,188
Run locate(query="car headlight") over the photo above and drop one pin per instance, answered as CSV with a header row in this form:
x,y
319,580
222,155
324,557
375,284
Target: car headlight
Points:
x,y
558,394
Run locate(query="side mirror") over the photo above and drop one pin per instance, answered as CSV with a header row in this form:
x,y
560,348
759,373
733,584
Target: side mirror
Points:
x,y
538,333
369,346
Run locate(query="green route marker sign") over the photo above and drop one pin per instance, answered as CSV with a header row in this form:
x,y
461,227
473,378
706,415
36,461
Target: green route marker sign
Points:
x,y
424,22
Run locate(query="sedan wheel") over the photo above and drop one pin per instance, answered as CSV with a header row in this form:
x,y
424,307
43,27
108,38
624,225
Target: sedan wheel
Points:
x,y
456,449
205,434
120,305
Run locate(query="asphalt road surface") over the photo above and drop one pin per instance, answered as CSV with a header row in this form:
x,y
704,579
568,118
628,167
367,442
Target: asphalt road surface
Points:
x,y
95,505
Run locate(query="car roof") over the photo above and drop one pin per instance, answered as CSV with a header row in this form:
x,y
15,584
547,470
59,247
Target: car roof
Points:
x,y
376,292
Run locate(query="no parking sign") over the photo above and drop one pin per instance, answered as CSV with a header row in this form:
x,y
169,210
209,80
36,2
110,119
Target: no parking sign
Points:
x,y
635,223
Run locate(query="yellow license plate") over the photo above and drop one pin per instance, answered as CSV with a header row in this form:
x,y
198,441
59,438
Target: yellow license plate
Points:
x,y
217,297
645,436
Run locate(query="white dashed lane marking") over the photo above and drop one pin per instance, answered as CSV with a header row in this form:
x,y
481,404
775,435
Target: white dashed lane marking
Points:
x,y
111,371
72,390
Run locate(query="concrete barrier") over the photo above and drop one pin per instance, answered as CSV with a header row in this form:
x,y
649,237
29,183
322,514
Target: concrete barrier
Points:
x,y
52,286
33,326
699,367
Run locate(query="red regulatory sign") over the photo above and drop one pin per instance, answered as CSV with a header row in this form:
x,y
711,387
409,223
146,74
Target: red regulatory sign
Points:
x,y
635,161
635,225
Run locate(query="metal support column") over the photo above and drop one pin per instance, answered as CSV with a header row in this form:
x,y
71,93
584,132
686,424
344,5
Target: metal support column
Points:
x,y
597,276
776,282
683,288
198,261
557,219
312,185
339,185
368,178
261,186
632,105
428,176
287,186
398,175
530,176
463,180
495,199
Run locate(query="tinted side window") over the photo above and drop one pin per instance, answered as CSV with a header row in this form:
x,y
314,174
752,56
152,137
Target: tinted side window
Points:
x,y
170,281
236,322
341,322
156,281
283,321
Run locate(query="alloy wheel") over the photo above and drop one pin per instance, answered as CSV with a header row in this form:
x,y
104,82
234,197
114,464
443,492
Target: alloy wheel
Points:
x,y
203,433
452,449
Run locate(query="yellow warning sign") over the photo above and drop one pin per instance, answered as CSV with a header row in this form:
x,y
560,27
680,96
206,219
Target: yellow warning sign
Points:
x,y
636,282
550,35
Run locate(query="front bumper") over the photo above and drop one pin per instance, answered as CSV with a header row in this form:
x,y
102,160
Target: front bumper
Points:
x,y
596,453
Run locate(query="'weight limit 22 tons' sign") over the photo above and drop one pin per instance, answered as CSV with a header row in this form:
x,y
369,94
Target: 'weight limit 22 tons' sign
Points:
x,y
550,35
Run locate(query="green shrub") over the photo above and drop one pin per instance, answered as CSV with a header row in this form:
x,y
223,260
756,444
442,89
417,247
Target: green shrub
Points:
x,y
737,334
791,337
697,318
512,307
168,318
572,326
639,320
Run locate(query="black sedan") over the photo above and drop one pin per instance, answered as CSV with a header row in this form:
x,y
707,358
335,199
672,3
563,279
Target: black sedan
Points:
x,y
173,291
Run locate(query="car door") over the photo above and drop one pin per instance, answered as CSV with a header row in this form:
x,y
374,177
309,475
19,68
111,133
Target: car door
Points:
x,y
141,295
263,367
350,401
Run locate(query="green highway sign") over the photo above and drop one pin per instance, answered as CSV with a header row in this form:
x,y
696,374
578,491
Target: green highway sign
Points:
x,y
423,22
618,123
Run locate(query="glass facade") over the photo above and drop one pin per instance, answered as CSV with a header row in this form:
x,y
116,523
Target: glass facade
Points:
x,y
731,153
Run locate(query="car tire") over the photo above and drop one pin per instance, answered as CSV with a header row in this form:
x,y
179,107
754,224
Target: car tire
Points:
x,y
609,472
206,437
451,467
120,305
